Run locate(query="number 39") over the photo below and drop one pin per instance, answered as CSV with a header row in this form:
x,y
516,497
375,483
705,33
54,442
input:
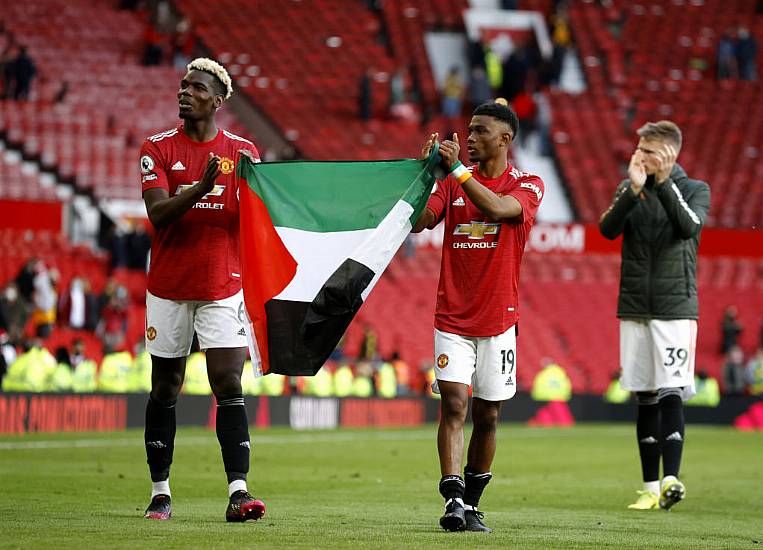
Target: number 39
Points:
x,y
676,354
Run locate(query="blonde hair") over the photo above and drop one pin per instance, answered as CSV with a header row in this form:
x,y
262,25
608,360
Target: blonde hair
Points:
x,y
662,130
215,69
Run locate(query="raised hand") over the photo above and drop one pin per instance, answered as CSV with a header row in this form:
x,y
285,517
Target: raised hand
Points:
x,y
211,173
426,150
637,171
449,150
666,156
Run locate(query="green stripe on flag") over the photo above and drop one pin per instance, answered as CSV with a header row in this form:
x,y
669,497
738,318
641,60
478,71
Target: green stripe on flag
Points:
x,y
338,196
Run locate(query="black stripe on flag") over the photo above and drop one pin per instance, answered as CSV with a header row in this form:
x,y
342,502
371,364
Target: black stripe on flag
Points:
x,y
301,335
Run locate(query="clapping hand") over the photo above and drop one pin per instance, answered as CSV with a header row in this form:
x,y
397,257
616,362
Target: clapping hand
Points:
x,y
666,158
637,171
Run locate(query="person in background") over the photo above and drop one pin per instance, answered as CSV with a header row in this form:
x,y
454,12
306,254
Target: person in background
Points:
x,y
479,87
452,94
77,354
112,328
708,393
754,373
726,57
24,70
746,54
733,372
660,212
45,299
13,313
731,328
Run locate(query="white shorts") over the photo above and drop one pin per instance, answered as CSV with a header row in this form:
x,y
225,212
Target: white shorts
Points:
x,y
658,354
487,364
170,324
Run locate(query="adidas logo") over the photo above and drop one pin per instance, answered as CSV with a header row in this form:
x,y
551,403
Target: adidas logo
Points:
x,y
677,374
178,166
510,381
675,436
648,440
156,444
241,332
244,444
459,202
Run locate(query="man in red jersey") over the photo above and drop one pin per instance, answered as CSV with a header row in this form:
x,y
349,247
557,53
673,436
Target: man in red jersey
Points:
x,y
488,210
194,281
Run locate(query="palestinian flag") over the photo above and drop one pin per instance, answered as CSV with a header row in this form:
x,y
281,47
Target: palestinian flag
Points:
x,y
315,238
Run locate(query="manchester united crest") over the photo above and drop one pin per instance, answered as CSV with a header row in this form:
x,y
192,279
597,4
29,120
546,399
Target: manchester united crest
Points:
x,y
151,333
226,165
442,361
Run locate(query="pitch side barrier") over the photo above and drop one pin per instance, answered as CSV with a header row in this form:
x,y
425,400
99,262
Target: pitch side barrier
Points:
x,y
577,238
22,413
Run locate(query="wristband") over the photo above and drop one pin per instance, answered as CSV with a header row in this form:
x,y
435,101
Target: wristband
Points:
x,y
460,173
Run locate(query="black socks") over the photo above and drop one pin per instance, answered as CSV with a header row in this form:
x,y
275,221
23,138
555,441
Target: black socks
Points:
x,y
648,433
159,437
233,435
672,412
475,483
452,487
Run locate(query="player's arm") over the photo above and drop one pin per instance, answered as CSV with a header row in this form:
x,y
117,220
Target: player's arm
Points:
x,y
429,217
497,208
163,210
426,219
612,220
687,216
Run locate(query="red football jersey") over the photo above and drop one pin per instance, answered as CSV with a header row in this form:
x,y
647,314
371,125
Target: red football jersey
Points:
x,y
197,256
479,276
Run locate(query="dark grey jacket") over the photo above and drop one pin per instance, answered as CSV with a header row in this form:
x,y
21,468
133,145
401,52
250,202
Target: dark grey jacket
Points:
x,y
660,228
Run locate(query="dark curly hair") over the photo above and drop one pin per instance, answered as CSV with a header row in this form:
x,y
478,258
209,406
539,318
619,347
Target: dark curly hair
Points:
x,y
502,112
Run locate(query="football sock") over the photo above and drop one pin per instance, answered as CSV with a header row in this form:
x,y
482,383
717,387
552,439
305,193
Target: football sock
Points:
x,y
236,485
159,437
452,487
672,431
652,487
475,483
648,433
160,488
233,435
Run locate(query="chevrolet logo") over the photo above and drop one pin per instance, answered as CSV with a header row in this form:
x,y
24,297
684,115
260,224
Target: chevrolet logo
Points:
x,y
477,230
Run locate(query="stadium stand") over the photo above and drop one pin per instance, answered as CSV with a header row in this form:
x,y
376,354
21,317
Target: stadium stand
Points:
x,y
90,138
632,79
307,82
22,181
300,63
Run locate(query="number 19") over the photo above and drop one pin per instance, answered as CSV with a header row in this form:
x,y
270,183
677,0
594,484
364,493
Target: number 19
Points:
x,y
507,356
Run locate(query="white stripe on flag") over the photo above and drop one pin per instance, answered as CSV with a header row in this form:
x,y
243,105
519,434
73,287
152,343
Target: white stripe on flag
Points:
x,y
318,255
377,250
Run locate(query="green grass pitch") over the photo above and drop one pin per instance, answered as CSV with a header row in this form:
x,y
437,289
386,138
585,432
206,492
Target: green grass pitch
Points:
x,y
552,488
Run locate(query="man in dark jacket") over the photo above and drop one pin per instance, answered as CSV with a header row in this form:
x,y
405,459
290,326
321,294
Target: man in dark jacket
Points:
x,y
660,212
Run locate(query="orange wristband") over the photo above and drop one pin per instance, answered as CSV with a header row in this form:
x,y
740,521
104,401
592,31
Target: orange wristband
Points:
x,y
460,173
